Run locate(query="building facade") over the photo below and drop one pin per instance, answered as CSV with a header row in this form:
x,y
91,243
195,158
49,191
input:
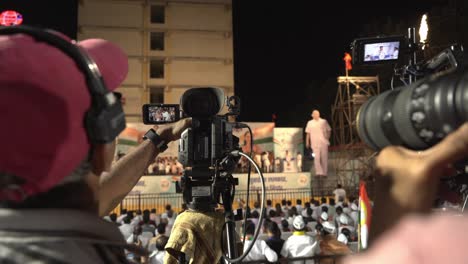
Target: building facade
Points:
x,y
171,45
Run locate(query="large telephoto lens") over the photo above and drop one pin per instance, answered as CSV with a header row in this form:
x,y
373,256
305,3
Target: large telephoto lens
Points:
x,y
415,116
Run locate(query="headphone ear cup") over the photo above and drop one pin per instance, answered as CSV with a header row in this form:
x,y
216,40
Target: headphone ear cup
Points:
x,y
105,119
104,126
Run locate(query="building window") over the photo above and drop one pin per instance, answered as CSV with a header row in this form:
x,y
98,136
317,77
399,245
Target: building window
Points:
x,y
157,41
158,15
157,95
157,69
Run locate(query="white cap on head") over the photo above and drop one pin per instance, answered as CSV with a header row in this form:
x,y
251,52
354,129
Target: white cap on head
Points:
x,y
298,222
343,239
329,227
324,216
344,219
354,207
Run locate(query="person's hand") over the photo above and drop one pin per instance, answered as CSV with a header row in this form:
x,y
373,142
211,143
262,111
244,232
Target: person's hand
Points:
x,y
407,180
171,132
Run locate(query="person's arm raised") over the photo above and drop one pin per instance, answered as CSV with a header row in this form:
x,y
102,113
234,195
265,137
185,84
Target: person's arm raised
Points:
x,y
123,176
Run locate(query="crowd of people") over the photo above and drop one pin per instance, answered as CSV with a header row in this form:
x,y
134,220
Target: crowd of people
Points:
x,y
165,166
51,206
314,228
147,229
268,163
307,229
160,114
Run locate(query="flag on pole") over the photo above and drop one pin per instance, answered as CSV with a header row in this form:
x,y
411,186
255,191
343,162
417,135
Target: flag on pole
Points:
x,y
347,58
365,216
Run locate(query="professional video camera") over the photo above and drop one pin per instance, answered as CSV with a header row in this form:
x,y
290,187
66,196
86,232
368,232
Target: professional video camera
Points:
x,y
432,103
421,113
209,152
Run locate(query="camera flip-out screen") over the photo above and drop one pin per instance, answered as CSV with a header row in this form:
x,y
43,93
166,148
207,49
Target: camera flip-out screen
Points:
x,y
381,51
160,113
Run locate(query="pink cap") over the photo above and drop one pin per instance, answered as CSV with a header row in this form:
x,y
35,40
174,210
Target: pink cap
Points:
x,y
44,99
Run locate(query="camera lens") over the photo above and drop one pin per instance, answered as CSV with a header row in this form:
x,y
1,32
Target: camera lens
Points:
x,y
416,116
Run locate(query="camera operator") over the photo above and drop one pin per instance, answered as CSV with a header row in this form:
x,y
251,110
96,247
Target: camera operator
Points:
x,y
407,184
54,184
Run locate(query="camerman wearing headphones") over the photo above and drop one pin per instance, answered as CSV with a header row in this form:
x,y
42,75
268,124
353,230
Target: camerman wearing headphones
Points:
x,y
60,120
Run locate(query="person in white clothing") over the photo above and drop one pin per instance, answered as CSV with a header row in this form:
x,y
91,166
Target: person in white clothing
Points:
x,y
354,214
299,162
156,247
260,250
126,228
258,159
166,116
339,192
300,244
168,218
344,223
266,162
318,134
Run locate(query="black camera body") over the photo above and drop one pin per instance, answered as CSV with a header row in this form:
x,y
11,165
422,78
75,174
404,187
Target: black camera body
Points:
x,y
205,148
206,142
421,113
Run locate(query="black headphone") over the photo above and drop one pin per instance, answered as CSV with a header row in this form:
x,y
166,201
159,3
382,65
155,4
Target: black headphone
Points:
x,y
105,119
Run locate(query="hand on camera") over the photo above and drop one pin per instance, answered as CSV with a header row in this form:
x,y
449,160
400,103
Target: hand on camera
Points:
x,y
171,132
410,178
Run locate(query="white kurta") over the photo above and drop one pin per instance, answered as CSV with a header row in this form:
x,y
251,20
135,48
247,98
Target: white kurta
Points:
x,y
318,130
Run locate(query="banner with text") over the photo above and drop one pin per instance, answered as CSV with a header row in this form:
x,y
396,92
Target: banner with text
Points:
x,y
155,184
275,181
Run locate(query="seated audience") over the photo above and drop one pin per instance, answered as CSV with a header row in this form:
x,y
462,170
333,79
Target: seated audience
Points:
x,y
260,250
300,244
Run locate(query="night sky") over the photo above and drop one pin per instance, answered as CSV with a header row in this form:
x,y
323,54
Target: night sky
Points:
x,y
287,54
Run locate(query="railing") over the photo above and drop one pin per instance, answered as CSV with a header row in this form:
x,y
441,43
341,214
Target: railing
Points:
x,y
159,200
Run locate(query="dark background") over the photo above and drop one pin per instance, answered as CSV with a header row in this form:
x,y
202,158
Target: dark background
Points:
x,y
288,54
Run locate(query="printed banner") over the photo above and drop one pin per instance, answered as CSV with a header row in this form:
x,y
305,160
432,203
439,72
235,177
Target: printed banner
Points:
x,y
288,149
155,184
275,181
262,149
165,164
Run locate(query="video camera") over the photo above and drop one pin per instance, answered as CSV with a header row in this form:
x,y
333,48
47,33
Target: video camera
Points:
x,y
205,148
421,113
209,152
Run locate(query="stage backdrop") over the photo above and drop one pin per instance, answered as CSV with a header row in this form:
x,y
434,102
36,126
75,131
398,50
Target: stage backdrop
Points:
x,y
132,136
155,184
289,148
273,181
262,145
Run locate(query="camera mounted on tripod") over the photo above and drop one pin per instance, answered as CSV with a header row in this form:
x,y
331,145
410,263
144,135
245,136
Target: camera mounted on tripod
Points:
x,y
205,149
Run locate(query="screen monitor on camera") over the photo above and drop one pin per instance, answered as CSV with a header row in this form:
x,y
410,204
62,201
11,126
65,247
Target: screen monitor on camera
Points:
x,y
381,51
160,113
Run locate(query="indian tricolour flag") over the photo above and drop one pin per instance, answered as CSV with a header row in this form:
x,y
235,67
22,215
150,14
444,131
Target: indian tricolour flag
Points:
x,y
365,216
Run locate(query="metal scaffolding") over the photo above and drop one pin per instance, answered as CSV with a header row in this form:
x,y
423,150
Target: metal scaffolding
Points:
x,y
353,159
